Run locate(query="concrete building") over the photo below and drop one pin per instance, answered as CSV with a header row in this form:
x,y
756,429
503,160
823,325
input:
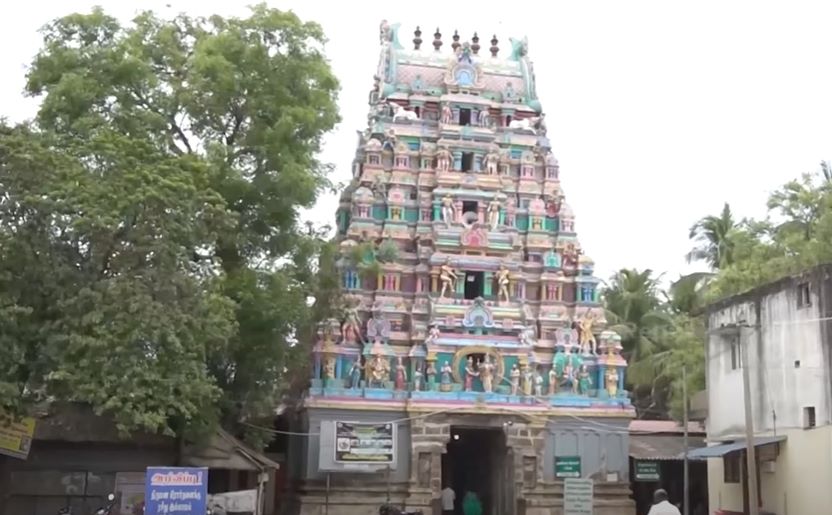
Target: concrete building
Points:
x,y
781,332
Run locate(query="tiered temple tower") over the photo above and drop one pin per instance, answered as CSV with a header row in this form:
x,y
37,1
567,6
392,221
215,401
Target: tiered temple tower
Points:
x,y
468,301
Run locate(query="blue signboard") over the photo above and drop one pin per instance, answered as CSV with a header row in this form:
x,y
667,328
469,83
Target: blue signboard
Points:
x,y
175,490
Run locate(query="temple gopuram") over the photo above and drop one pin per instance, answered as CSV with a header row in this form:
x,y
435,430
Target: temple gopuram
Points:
x,y
471,350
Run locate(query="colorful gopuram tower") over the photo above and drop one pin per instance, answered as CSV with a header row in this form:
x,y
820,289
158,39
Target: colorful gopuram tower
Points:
x,y
470,312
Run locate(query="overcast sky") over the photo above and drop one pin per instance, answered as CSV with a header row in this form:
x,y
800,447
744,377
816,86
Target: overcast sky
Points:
x,y
657,111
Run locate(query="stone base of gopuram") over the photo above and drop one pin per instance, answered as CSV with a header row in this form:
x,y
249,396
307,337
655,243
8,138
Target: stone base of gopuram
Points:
x,y
346,497
547,499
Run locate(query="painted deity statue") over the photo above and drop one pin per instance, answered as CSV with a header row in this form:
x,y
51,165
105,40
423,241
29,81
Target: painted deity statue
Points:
x,y
379,371
584,381
443,160
528,380
503,282
568,377
538,383
492,163
494,214
433,335
355,373
470,374
587,339
515,379
329,368
447,115
418,375
351,328
611,379
448,278
486,369
446,373
448,210
431,373
553,381
401,374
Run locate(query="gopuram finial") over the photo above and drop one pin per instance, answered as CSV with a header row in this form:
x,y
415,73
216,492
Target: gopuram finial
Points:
x,y
494,48
455,44
437,40
417,41
475,44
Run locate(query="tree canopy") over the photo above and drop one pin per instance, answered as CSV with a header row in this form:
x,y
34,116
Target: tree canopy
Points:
x,y
152,258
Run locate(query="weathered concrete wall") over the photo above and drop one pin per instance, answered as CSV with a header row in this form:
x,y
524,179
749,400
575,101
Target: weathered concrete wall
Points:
x,y
602,444
787,359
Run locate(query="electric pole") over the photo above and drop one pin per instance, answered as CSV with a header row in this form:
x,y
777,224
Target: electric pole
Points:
x,y
686,498
750,451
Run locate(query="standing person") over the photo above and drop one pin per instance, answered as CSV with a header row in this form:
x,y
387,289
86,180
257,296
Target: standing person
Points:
x,y
661,506
471,505
448,499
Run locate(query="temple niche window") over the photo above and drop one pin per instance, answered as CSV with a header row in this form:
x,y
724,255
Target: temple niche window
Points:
x,y
352,280
527,171
395,213
374,159
467,161
465,116
567,225
402,162
362,212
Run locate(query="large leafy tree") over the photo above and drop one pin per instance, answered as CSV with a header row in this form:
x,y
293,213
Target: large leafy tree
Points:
x,y
172,159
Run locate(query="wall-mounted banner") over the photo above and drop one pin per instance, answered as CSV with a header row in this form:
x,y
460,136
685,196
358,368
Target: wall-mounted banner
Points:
x,y
357,442
176,490
16,436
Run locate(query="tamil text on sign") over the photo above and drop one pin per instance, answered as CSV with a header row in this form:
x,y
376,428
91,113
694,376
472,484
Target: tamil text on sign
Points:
x,y
577,496
176,490
364,443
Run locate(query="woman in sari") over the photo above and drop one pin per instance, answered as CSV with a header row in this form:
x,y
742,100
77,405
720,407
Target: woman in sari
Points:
x,y
471,504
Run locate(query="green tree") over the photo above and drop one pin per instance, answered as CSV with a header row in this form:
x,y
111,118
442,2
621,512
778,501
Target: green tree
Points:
x,y
219,119
713,234
634,310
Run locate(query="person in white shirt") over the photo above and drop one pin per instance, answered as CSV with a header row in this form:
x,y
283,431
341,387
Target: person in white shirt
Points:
x,y
661,506
448,498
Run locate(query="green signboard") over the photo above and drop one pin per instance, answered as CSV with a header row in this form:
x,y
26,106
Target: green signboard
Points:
x,y
647,471
567,466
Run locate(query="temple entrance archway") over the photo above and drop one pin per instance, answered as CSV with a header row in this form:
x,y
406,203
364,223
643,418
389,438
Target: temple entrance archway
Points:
x,y
477,461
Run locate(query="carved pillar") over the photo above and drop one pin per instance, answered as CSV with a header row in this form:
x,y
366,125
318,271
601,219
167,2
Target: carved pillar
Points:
x,y
428,443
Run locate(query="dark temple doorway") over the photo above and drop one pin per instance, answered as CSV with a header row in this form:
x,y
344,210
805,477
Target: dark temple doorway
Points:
x,y
477,461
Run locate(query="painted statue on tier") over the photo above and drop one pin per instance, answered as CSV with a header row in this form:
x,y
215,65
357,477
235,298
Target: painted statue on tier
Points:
x,y
611,380
494,214
492,163
329,368
587,339
515,379
584,380
448,278
401,374
351,328
470,373
503,282
433,335
379,371
448,210
487,374
538,383
431,373
528,380
355,373
446,373
418,377
553,381
443,160
447,115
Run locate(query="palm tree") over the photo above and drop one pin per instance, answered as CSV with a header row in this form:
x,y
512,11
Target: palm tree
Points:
x,y
713,234
686,294
634,310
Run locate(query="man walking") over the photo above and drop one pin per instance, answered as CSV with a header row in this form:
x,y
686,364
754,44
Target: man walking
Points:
x,y
661,506
448,499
